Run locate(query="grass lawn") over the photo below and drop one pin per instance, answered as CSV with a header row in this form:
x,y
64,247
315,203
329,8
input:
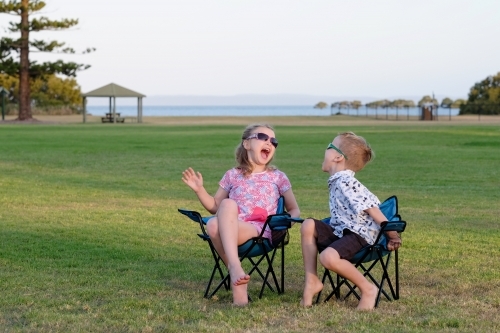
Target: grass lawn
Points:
x,y
91,240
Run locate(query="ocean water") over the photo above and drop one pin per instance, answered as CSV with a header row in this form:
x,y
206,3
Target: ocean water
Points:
x,y
243,111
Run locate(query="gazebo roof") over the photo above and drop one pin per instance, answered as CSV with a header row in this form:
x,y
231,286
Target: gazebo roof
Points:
x,y
113,90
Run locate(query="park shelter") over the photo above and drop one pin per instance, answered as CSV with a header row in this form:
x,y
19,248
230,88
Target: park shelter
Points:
x,y
429,111
113,91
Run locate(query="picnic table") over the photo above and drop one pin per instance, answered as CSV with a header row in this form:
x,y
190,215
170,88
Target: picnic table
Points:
x,y
109,118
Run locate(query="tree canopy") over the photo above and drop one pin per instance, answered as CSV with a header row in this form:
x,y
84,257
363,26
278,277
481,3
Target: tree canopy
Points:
x,y
484,97
321,105
14,52
50,91
427,99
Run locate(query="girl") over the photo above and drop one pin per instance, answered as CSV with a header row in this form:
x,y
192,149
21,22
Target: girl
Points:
x,y
247,194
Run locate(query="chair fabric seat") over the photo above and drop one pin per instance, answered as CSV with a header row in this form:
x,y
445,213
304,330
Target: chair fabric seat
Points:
x,y
258,250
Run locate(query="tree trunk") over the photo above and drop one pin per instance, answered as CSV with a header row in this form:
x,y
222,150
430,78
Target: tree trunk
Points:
x,y
24,79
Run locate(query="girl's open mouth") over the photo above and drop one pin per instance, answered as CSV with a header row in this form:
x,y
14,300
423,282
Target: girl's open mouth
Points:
x,y
265,153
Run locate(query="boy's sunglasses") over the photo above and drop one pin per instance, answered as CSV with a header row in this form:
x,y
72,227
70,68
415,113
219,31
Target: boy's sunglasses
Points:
x,y
331,146
263,137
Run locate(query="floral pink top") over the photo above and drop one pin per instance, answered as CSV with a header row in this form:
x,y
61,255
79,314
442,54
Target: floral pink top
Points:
x,y
256,195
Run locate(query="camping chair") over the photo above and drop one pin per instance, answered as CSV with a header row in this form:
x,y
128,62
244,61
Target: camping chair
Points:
x,y
371,256
255,250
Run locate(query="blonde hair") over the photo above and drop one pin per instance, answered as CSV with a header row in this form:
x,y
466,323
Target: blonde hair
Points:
x,y
357,150
241,153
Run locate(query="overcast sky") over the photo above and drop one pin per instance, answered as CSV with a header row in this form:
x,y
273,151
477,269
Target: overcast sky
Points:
x,y
319,47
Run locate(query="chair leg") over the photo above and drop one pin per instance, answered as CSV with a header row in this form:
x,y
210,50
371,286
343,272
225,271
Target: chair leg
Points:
x,y
385,267
396,271
335,289
217,268
270,271
282,268
224,282
367,273
264,277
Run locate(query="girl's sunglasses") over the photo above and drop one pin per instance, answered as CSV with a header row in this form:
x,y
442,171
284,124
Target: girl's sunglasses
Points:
x,y
263,137
331,146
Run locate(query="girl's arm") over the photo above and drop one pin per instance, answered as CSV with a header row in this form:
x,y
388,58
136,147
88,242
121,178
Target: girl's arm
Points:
x,y
394,241
291,204
195,181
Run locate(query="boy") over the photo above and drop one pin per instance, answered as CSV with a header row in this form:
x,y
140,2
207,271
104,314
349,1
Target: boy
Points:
x,y
355,221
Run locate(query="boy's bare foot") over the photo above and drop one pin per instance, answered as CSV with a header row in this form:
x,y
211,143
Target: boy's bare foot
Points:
x,y
368,299
312,287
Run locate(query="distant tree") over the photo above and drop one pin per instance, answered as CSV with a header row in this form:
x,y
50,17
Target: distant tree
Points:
x,y
345,104
356,104
446,103
372,105
398,103
409,104
11,84
321,105
332,106
484,97
427,99
21,66
377,104
46,93
456,104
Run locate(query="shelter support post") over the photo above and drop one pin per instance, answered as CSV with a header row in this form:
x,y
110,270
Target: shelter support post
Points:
x,y
114,110
84,104
139,111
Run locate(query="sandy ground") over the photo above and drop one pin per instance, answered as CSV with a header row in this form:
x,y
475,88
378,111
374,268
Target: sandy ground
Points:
x,y
337,120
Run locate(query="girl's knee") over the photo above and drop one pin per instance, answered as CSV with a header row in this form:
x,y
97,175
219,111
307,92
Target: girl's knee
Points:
x,y
228,204
212,227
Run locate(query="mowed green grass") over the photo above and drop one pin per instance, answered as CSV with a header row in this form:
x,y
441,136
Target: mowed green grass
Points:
x,y
91,240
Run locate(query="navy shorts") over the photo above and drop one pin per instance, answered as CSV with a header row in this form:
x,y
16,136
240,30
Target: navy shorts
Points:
x,y
347,246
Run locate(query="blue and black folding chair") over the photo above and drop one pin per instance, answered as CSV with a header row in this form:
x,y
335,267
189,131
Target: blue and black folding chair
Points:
x,y
256,250
373,258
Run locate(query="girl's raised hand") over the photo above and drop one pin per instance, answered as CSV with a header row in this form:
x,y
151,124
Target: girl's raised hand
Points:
x,y
192,179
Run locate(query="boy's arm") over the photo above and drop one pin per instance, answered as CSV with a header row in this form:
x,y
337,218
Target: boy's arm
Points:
x,y
394,241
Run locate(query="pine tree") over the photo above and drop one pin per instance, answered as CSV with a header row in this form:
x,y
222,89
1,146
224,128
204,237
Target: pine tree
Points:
x,y
21,66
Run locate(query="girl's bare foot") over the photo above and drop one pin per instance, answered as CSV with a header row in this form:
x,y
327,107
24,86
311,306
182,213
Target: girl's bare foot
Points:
x,y
312,286
240,295
239,284
368,299
242,280
238,276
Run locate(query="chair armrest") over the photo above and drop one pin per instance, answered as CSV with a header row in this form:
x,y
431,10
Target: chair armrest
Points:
x,y
194,215
387,226
281,221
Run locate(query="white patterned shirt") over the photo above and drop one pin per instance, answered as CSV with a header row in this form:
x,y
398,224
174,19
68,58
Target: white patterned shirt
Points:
x,y
348,200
